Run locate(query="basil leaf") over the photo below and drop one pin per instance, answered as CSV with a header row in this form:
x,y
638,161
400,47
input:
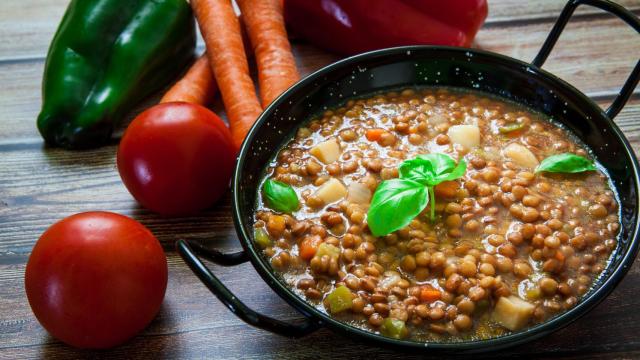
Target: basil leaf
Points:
x,y
432,169
395,203
566,163
280,196
455,173
417,169
441,163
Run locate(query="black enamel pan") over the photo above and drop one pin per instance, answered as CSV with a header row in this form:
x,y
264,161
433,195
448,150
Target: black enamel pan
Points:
x,y
525,83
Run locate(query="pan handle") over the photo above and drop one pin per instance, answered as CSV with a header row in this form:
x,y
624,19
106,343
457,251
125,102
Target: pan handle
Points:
x,y
189,252
608,6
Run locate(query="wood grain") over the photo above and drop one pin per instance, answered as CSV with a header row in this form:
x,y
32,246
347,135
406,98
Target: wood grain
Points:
x,y
39,186
32,41
511,11
588,55
42,179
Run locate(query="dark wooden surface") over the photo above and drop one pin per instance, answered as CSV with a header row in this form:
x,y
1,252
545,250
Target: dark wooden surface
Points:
x,y
39,186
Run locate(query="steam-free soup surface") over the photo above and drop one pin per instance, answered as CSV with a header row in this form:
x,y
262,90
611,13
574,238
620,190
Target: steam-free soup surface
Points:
x,y
509,247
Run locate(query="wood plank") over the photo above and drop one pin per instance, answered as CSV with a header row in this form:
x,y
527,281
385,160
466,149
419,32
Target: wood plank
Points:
x,y
20,96
30,42
501,11
43,185
588,56
39,186
46,185
192,323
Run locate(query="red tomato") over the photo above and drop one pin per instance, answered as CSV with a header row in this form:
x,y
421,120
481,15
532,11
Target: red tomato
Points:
x,y
176,158
96,279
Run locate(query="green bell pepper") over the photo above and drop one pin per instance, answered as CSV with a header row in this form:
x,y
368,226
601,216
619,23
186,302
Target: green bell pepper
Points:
x,y
106,56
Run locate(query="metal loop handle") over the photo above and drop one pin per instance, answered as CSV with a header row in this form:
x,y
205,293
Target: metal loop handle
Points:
x,y
627,89
223,294
214,255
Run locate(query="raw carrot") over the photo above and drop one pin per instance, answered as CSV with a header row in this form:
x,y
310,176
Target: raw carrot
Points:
x,y
264,22
197,86
221,31
428,294
374,134
309,247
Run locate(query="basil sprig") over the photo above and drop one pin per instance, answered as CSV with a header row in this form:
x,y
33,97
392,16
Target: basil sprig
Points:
x,y
398,201
280,196
565,163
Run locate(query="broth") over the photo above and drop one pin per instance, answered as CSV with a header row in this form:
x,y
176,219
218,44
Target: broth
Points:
x,y
509,247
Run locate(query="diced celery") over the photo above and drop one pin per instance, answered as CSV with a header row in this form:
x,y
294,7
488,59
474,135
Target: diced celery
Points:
x,y
339,299
327,249
393,328
510,128
261,237
533,293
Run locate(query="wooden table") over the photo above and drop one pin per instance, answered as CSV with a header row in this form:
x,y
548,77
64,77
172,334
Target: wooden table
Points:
x,y
39,186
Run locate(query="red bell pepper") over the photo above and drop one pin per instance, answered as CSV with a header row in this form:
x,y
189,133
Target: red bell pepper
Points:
x,y
353,26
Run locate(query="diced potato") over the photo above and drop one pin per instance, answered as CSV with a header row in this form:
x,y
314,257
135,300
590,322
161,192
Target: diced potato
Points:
x,y
359,193
520,155
331,191
465,135
327,151
436,119
512,312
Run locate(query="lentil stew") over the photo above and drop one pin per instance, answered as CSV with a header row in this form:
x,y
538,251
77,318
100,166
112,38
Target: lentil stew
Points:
x,y
509,247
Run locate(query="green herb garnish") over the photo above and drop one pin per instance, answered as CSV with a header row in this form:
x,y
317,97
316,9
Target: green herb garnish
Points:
x,y
280,196
398,201
395,203
566,163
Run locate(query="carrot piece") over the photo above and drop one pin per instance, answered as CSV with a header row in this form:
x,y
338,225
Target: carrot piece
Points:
x,y
221,31
309,246
197,86
374,134
264,22
559,255
447,189
428,294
